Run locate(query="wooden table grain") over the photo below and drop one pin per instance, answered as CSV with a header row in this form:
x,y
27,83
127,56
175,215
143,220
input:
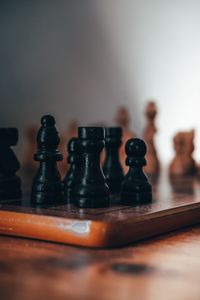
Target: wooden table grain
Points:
x,y
163,268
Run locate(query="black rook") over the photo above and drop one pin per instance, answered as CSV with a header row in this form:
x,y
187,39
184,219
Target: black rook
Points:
x,y
91,189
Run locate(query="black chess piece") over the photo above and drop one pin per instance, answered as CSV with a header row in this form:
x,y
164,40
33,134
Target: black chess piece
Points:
x,y
47,188
112,168
9,136
74,159
10,183
135,188
91,189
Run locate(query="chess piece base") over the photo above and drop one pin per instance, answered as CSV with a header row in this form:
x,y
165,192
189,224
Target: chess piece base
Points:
x,y
94,202
46,198
10,187
12,194
135,198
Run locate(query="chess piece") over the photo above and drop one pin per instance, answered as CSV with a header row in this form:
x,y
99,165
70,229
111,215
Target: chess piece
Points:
x,y
183,163
65,136
153,165
112,168
74,160
61,165
122,119
182,185
91,189
10,183
47,188
135,188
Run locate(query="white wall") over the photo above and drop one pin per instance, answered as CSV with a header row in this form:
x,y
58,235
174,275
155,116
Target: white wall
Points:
x,y
158,44
83,58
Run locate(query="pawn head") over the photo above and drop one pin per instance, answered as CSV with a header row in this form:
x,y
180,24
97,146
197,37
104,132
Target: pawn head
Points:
x,y
48,137
135,147
48,120
73,145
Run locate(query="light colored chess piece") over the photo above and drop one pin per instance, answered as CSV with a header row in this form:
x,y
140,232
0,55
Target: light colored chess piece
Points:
x,y
122,119
153,165
183,163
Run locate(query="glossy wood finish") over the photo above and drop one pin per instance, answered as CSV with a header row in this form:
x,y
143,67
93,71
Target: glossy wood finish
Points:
x,y
164,268
107,227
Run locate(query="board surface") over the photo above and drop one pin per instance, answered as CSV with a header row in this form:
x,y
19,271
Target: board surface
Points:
x,y
175,205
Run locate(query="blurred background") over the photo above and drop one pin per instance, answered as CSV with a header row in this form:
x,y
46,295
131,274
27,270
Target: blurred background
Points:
x,y
83,59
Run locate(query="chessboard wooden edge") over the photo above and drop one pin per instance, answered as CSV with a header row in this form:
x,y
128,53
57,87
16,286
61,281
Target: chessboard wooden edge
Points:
x,y
96,233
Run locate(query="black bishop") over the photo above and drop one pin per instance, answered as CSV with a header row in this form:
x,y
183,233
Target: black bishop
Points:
x,y
47,188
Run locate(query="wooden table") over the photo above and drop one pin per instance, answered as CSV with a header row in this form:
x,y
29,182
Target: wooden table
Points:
x,y
166,267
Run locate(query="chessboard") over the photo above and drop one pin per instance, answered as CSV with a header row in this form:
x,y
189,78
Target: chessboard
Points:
x,y
176,204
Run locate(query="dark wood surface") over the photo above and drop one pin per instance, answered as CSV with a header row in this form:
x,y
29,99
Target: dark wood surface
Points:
x,y
163,268
174,206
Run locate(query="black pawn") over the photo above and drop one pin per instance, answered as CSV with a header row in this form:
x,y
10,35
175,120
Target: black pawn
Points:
x,y
10,183
47,188
135,188
91,189
74,159
112,168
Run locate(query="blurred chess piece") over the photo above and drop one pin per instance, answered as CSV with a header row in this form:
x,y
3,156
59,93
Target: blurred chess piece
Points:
x,y
72,130
122,119
65,136
183,163
182,185
29,164
153,165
